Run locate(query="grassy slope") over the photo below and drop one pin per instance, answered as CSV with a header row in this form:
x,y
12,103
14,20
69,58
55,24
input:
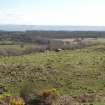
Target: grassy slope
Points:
x,y
71,72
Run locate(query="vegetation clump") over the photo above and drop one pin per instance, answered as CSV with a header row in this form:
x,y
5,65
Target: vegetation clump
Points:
x,y
8,99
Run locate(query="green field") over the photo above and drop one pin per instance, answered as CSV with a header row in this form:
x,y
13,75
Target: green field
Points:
x,y
71,72
16,45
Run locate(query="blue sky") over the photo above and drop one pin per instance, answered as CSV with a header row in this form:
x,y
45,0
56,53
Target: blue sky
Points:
x,y
53,12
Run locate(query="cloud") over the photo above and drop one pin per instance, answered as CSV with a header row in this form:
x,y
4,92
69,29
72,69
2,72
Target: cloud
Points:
x,y
51,17
9,18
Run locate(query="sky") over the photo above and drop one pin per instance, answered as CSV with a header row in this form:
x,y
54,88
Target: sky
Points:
x,y
53,12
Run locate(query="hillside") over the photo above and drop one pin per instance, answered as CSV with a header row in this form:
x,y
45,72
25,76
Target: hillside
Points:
x,y
71,72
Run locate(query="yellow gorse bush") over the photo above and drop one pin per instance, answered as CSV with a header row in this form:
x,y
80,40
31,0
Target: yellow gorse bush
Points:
x,y
11,100
16,101
52,91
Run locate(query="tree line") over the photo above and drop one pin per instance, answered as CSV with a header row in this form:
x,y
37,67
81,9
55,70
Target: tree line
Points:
x,y
35,36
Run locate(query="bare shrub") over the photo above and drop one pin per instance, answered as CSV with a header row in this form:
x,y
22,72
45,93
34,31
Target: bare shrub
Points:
x,y
85,98
13,52
34,50
3,52
10,52
66,100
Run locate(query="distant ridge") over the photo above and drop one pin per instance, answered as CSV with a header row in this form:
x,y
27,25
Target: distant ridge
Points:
x,y
50,28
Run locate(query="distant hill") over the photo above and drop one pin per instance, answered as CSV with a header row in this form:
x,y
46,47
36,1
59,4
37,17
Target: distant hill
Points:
x,y
50,28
